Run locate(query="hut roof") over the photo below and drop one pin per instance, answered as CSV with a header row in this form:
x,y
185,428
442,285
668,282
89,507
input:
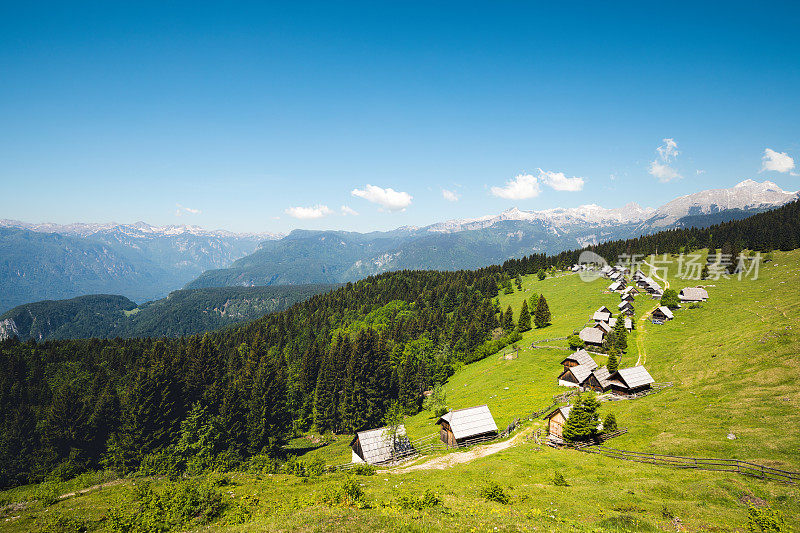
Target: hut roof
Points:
x,y
581,372
377,445
604,309
470,422
614,286
666,311
602,374
623,304
601,317
581,357
592,335
603,326
693,294
563,410
635,376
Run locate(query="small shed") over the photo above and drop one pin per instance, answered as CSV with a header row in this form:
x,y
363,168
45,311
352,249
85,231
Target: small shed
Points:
x,y
575,376
693,294
462,425
377,446
627,381
592,336
599,381
601,317
604,309
662,313
581,357
556,420
627,297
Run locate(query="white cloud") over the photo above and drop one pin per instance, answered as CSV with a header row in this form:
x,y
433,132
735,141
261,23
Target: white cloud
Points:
x,y
346,210
660,167
776,161
388,198
521,187
450,196
186,211
700,171
305,213
559,182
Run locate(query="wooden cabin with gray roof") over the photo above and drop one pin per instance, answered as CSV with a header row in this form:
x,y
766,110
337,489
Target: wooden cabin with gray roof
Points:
x,y
580,357
556,420
460,427
379,446
592,336
576,376
693,294
662,313
629,381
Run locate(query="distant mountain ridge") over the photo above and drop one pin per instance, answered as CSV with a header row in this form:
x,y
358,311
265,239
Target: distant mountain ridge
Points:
x,y
183,312
139,261
144,262
331,256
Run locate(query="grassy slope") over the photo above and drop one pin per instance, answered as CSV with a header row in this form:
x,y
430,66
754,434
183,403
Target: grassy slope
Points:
x,y
734,364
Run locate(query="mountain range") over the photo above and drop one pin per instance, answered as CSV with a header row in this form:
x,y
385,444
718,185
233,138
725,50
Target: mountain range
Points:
x,y
144,262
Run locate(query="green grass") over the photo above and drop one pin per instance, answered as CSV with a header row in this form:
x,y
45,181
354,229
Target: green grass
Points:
x,y
734,363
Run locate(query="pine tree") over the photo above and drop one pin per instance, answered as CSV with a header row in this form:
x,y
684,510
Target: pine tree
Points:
x,y
583,419
541,274
542,317
620,335
508,320
518,282
613,362
524,323
533,300
610,423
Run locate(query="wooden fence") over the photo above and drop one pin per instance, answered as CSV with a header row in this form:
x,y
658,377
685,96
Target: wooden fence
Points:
x,y
744,468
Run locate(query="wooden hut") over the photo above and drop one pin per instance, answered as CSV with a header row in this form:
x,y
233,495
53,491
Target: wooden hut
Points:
x,y
599,316
662,313
592,336
377,446
628,381
459,427
581,357
693,294
626,297
575,376
556,420
603,326
598,381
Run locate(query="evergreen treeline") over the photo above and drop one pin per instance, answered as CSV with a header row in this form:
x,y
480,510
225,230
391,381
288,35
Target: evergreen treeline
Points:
x,y
335,361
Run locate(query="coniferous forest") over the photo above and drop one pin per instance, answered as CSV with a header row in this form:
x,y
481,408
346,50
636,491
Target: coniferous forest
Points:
x,y
334,362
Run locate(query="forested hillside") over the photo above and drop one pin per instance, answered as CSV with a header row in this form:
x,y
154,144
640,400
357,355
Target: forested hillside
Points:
x,y
335,361
183,312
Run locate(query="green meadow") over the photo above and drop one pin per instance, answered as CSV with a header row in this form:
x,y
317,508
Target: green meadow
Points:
x,y
734,365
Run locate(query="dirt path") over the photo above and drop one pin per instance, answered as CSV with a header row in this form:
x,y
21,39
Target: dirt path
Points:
x,y
90,489
455,458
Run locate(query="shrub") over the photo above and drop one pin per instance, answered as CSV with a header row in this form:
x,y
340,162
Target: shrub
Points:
x,y
65,524
765,519
670,298
363,469
295,466
316,467
494,493
349,494
161,463
575,342
47,493
610,423
559,481
263,464
177,505
426,501
242,511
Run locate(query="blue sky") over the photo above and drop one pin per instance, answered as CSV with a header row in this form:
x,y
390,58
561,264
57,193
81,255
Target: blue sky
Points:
x,y
178,113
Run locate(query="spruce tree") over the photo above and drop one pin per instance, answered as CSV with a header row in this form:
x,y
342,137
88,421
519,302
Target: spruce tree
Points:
x,y
583,419
620,335
610,423
542,317
524,323
541,274
508,320
613,362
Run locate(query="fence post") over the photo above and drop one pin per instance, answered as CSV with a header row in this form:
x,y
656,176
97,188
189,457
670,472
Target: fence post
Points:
x,y
762,472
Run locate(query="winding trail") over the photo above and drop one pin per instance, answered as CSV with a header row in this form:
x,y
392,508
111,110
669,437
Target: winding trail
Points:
x,y
640,338
455,458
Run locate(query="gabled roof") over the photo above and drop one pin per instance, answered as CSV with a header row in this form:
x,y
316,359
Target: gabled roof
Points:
x,y
603,326
592,335
470,422
628,323
603,309
581,357
612,322
627,297
377,445
602,374
580,372
563,410
664,309
638,274
629,288
623,304
601,317
693,294
633,377
614,286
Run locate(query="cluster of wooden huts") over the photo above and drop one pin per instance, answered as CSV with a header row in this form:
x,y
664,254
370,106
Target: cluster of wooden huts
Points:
x,y
647,284
580,370
461,427
604,322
